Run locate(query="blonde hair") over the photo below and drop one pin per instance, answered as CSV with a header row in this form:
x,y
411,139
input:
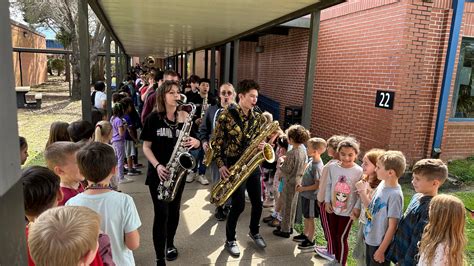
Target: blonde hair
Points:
x,y
63,235
373,156
317,143
394,160
333,141
56,154
447,219
102,131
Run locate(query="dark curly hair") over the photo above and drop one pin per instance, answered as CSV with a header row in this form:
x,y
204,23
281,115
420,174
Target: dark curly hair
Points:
x,y
246,85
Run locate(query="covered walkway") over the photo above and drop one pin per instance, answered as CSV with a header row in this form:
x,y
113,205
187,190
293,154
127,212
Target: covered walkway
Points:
x,y
165,30
200,237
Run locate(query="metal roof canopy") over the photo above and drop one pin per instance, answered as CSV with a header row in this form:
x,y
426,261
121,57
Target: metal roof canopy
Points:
x,y
163,29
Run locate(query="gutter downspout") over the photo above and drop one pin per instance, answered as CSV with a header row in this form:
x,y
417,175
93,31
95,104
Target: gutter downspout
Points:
x,y
458,10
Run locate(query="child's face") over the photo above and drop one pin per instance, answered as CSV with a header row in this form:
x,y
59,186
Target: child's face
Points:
x,y
368,166
382,173
71,170
204,87
24,154
311,151
423,185
331,152
347,156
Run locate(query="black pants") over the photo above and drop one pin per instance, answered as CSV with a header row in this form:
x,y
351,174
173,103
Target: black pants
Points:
x,y
254,189
166,220
369,259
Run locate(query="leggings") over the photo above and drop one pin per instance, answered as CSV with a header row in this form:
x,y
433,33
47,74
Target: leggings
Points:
x,y
339,229
119,148
325,225
166,220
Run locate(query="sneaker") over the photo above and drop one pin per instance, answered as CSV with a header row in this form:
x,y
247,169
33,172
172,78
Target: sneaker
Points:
x,y
202,179
300,238
133,172
322,252
274,223
125,181
171,253
220,215
190,177
305,245
138,165
232,248
281,233
267,219
268,203
258,239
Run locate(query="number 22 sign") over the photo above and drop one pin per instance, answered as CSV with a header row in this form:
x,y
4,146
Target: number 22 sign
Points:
x,y
384,99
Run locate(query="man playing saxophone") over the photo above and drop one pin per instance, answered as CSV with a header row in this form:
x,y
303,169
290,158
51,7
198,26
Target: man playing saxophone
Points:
x,y
235,129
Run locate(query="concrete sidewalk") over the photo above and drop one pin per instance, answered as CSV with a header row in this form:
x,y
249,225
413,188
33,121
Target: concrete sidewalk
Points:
x,y
200,237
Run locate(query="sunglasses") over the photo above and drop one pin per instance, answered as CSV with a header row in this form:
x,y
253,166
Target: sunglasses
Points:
x,y
225,93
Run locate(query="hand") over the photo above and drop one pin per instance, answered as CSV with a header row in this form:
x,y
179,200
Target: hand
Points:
x,y
205,146
191,143
198,121
362,186
355,214
299,188
163,173
379,256
261,145
224,172
328,208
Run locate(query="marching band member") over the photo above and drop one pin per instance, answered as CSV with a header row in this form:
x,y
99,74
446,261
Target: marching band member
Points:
x,y
160,132
235,127
226,97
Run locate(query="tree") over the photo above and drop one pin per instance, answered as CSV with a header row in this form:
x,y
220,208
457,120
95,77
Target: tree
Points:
x,y
61,16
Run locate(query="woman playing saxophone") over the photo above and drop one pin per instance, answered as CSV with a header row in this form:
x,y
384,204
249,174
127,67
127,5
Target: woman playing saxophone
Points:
x,y
160,132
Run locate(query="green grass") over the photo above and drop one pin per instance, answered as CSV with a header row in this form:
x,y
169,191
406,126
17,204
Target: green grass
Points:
x,y
34,125
463,169
466,196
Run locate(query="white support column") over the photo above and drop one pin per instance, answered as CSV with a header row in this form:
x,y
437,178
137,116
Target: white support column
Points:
x,y
12,234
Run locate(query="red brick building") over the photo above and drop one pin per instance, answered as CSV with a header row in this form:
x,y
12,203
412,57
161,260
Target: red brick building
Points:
x,y
364,46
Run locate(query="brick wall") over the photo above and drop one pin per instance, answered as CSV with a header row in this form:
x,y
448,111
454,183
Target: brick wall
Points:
x,y
458,138
363,47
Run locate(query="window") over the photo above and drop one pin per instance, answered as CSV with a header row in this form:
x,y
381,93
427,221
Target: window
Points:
x,y
463,99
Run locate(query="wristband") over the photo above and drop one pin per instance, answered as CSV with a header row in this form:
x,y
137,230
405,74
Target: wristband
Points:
x,y
156,166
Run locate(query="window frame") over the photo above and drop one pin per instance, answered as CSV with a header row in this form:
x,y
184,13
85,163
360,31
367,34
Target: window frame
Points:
x,y
454,102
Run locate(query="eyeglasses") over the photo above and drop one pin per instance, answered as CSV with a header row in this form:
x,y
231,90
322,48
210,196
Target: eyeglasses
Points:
x,y
225,93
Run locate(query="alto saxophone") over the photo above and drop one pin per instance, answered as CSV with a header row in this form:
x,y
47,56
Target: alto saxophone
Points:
x,y
181,160
247,163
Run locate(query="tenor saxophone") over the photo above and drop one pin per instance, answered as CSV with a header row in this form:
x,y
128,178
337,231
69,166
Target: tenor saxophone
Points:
x,y
247,163
181,160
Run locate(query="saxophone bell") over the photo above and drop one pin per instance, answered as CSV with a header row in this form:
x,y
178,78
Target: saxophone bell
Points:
x,y
186,161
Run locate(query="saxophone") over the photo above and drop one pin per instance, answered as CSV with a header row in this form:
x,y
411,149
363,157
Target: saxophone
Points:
x,y
181,160
204,107
247,163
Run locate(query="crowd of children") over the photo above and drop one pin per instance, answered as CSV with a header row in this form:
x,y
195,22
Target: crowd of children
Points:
x,y
430,232
86,162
